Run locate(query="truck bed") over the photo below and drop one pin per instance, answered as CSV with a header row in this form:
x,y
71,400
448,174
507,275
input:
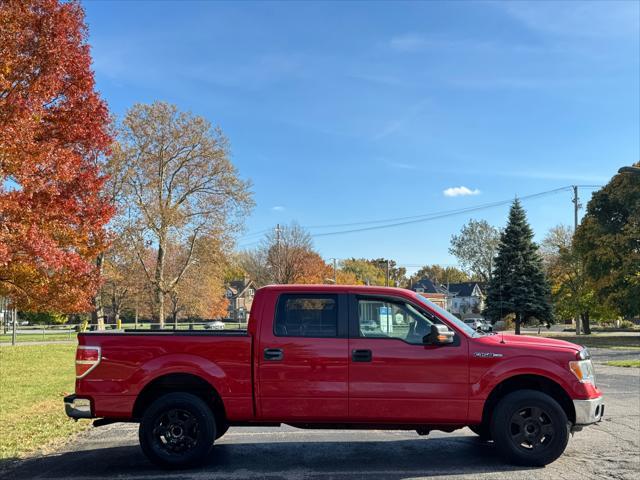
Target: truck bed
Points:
x,y
130,361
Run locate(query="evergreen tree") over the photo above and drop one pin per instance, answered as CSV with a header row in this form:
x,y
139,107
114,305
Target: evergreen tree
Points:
x,y
518,284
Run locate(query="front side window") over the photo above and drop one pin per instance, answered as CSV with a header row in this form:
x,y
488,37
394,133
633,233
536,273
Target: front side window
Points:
x,y
306,315
449,316
379,318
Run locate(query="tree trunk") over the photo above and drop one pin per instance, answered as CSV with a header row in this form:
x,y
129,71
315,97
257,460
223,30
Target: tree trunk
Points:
x,y
159,283
115,308
518,320
174,310
578,323
158,297
97,315
586,327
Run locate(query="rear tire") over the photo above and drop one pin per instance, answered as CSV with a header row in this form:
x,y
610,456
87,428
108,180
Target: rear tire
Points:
x,y
177,431
530,428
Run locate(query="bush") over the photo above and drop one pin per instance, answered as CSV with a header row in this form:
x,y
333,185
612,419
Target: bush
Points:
x,y
506,323
42,317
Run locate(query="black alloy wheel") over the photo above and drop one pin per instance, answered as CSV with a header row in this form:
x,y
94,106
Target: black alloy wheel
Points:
x,y
177,431
530,428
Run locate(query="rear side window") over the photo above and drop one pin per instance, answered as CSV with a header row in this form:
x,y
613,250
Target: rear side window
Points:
x,y
306,315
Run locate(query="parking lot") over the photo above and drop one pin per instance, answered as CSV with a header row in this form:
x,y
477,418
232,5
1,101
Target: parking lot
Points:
x,y
610,449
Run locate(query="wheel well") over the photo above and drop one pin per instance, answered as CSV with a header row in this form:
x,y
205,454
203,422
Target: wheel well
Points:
x,y
528,382
180,382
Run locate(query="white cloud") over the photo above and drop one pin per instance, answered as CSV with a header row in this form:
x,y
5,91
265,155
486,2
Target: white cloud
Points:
x,y
404,166
460,191
408,42
277,208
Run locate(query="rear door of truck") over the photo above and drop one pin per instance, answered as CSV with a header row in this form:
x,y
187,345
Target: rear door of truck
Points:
x,y
302,356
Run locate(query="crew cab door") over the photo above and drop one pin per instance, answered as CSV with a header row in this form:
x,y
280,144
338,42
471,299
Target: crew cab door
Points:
x,y
393,376
303,358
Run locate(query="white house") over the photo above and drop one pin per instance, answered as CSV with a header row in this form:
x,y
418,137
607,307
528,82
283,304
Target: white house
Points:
x,y
466,299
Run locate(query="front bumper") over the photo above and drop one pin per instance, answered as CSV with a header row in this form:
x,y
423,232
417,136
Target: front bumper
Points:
x,y
77,407
588,411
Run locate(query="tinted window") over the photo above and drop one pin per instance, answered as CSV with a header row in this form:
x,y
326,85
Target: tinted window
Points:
x,y
306,315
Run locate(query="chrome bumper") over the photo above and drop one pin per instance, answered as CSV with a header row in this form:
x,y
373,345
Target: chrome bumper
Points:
x,y
77,407
588,411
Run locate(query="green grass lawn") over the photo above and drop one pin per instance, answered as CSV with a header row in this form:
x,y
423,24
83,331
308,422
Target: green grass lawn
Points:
x,y
33,381
619,342
624,363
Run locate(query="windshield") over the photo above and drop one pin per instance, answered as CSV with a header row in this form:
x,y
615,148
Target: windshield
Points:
x,y
449,316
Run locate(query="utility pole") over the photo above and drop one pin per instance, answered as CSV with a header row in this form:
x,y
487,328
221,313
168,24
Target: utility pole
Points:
x,y
576,207
387,272
335,271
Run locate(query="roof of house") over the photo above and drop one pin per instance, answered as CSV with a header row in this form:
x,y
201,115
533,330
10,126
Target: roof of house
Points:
x,y
238,287
463,289
428,286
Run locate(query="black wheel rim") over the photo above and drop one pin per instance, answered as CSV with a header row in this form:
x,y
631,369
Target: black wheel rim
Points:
x,y
176,431
531,428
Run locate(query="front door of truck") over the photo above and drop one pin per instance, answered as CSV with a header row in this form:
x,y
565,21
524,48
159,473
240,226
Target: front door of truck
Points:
x,y
393,376
303,364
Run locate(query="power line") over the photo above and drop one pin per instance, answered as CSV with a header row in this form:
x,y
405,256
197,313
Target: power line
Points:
x,y
399,221
395,219
253,234
439,215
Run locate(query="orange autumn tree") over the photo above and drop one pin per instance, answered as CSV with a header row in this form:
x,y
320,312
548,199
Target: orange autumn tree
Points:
x,y
313,269
53,134
287,256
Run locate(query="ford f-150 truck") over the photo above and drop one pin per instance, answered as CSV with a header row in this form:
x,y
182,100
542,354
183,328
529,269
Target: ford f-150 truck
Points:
x,y
337,357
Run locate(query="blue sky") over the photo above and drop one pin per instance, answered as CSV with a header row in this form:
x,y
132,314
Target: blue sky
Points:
x,y
350,112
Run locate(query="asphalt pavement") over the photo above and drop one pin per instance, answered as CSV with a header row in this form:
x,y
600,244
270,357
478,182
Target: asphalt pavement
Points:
x,y
609,450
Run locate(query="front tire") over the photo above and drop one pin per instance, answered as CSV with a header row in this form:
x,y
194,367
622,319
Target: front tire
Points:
x,y
530,428
177,431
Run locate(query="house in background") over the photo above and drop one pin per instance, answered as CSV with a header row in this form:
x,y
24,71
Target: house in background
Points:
x,y
466,299
438,294
240,294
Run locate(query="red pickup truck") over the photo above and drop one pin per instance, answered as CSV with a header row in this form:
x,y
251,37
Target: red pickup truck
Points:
x,y
337,357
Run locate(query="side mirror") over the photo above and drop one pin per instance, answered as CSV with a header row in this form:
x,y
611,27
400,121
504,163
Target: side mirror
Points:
x,y
439,335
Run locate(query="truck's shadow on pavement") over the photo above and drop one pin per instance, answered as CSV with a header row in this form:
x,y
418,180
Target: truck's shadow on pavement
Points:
x,y
392,459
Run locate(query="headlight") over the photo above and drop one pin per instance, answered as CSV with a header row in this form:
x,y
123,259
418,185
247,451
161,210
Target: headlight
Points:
x,y
583,370
584,354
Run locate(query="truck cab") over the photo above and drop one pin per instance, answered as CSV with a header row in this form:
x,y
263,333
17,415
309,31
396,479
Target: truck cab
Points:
x,y
320,356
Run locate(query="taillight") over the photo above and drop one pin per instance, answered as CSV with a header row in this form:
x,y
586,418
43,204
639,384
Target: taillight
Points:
x,y
87,358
